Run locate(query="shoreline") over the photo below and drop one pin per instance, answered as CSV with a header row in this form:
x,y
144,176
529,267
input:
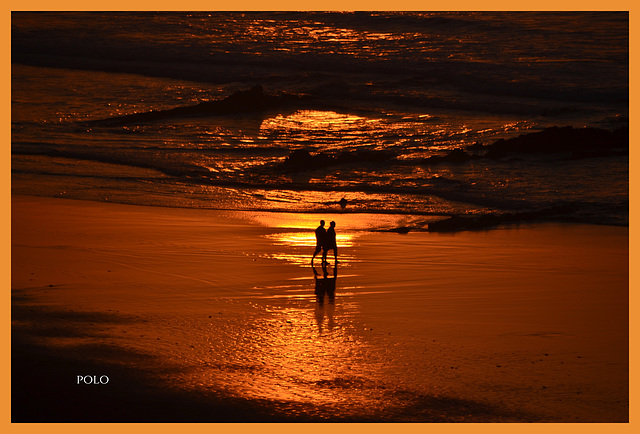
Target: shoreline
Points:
x,y
500,325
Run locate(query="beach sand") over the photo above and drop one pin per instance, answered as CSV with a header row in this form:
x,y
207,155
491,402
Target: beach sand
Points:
x,y
217,316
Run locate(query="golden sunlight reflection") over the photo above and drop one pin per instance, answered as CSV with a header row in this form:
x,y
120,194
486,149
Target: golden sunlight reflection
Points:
x,y
307,239
303,244
304,349
316,120
309,221
293,234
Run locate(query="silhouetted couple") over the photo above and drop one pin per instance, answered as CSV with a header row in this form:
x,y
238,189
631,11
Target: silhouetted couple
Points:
x,y
325,241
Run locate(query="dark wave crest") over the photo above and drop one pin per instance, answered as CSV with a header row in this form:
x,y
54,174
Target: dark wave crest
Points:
x,y
253,100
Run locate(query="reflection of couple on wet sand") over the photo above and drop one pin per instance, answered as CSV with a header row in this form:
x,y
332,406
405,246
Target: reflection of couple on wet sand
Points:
x,y
325,241
326,285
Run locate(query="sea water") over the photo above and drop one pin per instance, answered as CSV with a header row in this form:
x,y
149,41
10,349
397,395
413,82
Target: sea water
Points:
x,y
379,94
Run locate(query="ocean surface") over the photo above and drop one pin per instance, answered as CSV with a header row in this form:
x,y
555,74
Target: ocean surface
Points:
x,y
396,113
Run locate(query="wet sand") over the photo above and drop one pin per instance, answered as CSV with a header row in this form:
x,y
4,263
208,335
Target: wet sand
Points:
x,y
197,315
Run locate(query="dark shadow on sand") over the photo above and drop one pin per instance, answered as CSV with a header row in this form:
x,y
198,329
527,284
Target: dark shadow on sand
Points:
x,y
44,377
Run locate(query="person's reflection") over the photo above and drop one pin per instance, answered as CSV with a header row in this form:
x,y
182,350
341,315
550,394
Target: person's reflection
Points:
x,y
325,287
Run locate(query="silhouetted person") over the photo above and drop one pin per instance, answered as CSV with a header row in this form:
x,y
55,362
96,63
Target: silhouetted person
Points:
x,y
321,237
330,243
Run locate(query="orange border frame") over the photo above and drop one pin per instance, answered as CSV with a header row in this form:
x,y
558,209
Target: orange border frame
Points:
x,y
5,234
